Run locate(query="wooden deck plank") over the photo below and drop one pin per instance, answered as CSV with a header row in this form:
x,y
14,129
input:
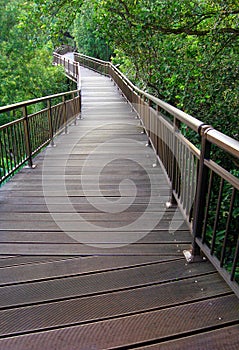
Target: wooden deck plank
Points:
x,y
101,282
101,306
123,331
92,249
26,269
95,216
81,208
19,261
155,236
223,338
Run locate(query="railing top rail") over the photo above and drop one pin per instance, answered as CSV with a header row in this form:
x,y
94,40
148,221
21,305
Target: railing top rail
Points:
x,y
14,122
221,140
62,57
192,122
93,59
33,101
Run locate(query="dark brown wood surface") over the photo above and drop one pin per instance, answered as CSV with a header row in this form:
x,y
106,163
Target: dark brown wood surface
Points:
x,y
91,257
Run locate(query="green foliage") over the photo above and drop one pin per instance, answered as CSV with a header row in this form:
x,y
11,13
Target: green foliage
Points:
x,y
222,227
55,19
185,52
87,34
26,71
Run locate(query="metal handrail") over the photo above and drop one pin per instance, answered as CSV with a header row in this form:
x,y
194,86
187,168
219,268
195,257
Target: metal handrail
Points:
x,y
193,175
34,101
72,69
197,182
214,136
223,141
22,138
185,118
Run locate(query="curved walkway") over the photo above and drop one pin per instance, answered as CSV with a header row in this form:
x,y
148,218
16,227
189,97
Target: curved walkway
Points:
x,y
91,258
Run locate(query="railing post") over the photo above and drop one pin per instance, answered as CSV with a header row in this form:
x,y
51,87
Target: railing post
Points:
x,y
27,138
79,101
73,101
150,104
50,123
147,120
74,107
176,127
201,192
64,114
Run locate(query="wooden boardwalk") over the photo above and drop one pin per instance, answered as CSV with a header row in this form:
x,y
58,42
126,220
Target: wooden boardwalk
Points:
x,y
91,258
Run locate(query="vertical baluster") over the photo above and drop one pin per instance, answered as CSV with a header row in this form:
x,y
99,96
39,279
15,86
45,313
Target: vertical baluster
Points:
x,y
10,150
184,176
22,143
149,121
156,130
202,189
207,206
3,172
64,114
74,111
188,184
27,137
14,144
235,261
224,246
219,202
163,144
175,173
50,123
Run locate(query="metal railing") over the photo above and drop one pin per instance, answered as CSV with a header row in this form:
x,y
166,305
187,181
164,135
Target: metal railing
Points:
x,y
63,49
72,69
22,138
206,192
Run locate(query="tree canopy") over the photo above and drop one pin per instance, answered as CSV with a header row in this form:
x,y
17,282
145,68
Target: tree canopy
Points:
x,y
185,52
26,71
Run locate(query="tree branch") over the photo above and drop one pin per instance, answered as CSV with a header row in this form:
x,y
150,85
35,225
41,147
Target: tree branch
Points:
x,y
190,31
219,50
186,29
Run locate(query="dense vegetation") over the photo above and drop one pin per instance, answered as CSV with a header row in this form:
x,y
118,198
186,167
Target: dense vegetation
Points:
x,y
26,71
184,52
